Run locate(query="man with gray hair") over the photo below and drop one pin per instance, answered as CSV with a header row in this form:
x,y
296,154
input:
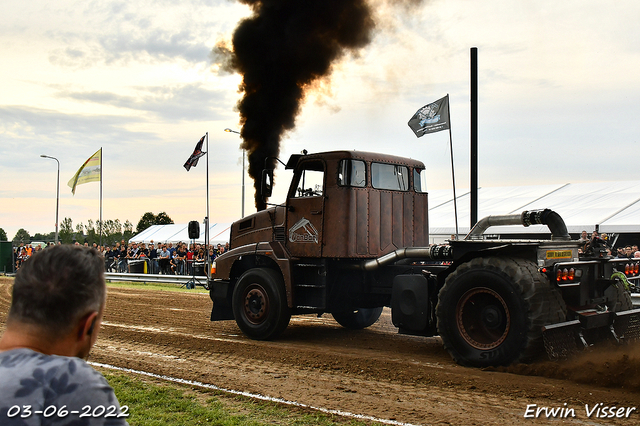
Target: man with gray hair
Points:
x,y
57,305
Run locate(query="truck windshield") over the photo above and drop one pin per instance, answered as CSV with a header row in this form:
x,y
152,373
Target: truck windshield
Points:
x,y
390,176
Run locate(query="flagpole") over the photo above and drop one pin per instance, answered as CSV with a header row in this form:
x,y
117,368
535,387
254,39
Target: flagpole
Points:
x,y
453,176
206,231
101,196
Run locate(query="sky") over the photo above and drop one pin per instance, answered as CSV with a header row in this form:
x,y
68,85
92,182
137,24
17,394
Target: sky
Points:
x,y
559,101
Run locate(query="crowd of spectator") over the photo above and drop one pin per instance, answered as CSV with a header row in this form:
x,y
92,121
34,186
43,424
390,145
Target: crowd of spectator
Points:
x,y
601,241
24,252
163,258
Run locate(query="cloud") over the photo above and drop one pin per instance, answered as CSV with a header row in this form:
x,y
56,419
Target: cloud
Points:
x,y
24,129
185,102
157,44
120,33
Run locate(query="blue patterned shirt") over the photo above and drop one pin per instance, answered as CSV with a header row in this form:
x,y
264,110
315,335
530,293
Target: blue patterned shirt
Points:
x,y
39,389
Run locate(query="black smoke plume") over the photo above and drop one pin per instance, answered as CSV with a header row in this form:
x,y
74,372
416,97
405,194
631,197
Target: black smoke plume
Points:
x,y
281,50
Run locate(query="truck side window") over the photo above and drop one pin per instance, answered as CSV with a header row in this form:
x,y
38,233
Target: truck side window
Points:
x,y
390,176
419,180
310,181
352,173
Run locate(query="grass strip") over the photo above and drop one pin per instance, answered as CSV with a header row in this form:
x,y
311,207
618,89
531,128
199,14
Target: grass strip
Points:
x,y
154,286
156,404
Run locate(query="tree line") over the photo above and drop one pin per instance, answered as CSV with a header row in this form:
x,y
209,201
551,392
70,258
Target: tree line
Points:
x,y
112,231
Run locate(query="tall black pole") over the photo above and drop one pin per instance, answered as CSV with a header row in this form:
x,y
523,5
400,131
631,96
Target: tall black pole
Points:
x,y
206,223
101,196
453,176
474,136
57,193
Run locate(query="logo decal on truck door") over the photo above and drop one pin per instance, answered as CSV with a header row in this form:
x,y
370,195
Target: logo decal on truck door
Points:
x,y
303,232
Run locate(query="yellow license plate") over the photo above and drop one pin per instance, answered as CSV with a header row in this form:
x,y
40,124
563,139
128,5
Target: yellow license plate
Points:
x,y
559,254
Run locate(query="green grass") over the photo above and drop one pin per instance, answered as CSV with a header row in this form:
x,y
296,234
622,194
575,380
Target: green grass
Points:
x,y
154,286
158,404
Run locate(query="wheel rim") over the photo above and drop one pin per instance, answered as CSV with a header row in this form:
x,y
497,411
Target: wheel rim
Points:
x,y
483,318
256,304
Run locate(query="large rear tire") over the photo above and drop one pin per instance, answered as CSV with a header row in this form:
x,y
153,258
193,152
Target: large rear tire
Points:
x,y
260,304
491,310
358,319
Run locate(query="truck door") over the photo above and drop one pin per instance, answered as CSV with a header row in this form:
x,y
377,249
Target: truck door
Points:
x,y
305,209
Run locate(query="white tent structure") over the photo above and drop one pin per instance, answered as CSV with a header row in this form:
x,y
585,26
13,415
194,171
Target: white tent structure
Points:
x,y
614,206
175,233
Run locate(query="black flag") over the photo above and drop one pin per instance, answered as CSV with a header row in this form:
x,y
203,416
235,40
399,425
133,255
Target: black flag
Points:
x,y
431,118
197,153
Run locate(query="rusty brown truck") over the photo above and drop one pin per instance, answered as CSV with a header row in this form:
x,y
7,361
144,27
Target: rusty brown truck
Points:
x,y
353,237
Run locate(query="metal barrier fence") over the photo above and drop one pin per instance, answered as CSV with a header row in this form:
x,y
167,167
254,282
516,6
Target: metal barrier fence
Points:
x,y
154,266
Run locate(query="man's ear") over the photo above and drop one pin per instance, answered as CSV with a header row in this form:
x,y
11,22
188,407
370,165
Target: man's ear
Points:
x,y
87,325
93,324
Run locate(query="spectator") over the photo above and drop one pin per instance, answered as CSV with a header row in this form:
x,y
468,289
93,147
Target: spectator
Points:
x,y
122,259
144,252
163,259
153,259
56,311
108,259
180,258
133,252
199,256
584,238
190,255
173,264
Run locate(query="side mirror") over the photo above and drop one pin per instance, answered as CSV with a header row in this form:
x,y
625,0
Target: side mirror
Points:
x,y
266,186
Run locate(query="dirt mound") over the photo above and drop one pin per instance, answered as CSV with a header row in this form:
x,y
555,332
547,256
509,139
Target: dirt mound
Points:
x,y
617,367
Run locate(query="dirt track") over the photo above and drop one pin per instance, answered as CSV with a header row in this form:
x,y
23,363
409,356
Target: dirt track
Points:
x,y
373,372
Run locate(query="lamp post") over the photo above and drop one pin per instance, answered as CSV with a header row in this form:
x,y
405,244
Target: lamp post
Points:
x,y
57,193
228,130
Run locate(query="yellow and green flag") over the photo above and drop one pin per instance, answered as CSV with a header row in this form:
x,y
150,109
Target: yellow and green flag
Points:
x,y
89,172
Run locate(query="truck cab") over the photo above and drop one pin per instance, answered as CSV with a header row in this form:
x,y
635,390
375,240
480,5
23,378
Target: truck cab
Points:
x,y
344,204
342,207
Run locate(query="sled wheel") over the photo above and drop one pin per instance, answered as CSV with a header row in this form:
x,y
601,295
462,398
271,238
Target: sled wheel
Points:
x,y
491,310
619,300
357,319
260,304
619,297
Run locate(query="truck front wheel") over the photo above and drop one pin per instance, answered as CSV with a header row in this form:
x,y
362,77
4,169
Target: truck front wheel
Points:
x,y
260,304
491,310
357,319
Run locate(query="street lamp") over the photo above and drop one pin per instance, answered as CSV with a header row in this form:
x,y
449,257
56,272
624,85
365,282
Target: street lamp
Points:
x,y
228,130
57,193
